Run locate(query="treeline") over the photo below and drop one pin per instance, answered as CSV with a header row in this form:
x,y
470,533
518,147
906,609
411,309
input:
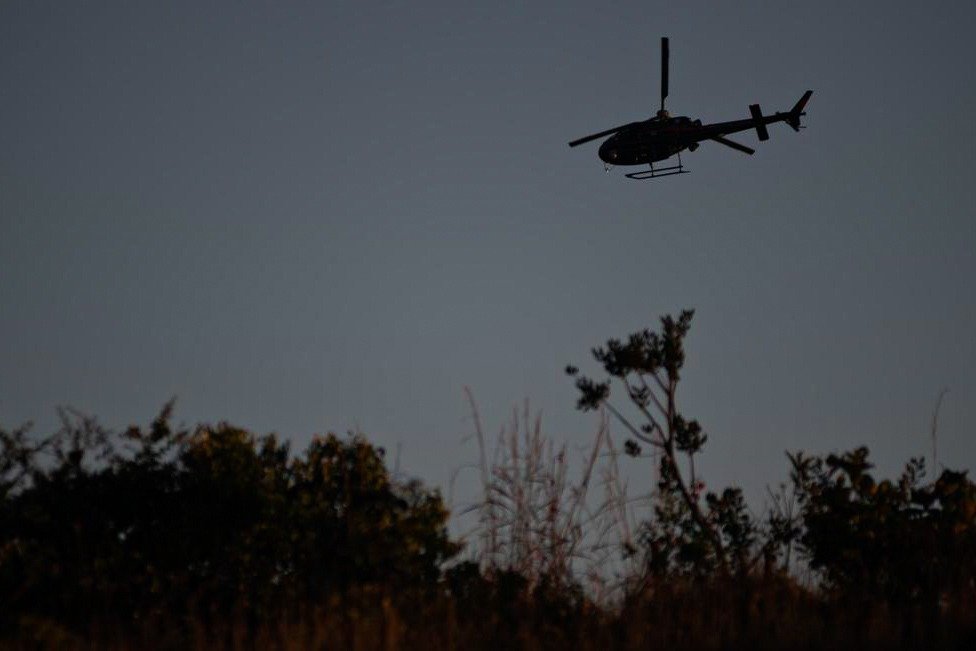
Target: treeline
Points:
x,y
99,527
170,537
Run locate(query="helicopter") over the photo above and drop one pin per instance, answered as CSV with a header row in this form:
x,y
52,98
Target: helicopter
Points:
x,y
662,136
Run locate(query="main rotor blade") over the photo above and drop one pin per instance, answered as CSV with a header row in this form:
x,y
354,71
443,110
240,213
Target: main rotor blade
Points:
x,y
594,136
734,145
665,55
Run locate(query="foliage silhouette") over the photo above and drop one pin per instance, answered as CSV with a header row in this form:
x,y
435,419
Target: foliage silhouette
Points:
x,y
904,541
168,537
98,526
691,532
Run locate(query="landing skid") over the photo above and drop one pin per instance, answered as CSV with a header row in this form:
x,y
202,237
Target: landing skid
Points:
x,y
652,173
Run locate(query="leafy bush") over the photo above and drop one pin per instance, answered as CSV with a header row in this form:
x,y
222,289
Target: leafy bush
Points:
x,y
101,526
902,541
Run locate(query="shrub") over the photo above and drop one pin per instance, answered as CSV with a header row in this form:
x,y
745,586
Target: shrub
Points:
x,y
903,541
98,526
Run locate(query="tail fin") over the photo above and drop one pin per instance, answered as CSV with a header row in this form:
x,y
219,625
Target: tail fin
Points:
x,y
793,117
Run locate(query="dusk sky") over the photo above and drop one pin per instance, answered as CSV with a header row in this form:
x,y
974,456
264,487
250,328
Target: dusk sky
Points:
x,y
326,216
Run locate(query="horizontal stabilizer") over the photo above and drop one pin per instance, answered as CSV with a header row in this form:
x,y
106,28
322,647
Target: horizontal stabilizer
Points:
x,y
760,125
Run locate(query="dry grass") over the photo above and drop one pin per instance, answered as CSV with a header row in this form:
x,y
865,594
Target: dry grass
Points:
x,y
772,614
538,517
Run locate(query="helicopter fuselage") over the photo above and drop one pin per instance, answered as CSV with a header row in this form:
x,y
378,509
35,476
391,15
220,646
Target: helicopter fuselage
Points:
x,y
640,143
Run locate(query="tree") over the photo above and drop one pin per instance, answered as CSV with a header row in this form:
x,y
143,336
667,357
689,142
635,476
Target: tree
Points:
x,y
691,531
376,531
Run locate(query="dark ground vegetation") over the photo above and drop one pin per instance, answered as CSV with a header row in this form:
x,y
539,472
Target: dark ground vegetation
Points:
x,y
212,537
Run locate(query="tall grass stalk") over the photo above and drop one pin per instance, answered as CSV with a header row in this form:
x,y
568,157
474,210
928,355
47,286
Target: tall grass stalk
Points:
x,y
537,517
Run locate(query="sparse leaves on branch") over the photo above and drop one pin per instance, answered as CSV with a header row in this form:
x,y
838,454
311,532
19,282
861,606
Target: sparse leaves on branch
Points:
x,y
686,534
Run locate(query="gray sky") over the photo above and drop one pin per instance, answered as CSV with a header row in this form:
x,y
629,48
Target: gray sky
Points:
x,y
318,216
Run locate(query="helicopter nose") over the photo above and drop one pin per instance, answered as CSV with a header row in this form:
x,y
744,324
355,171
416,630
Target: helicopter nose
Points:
x,y
608,152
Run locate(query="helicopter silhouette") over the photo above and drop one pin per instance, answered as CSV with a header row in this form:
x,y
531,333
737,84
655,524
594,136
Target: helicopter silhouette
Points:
x,y
662,136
